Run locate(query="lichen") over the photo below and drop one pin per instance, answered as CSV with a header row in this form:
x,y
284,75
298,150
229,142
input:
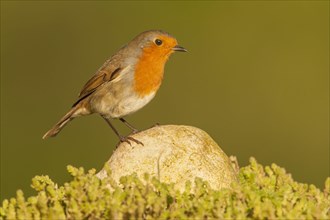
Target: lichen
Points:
x,y
261,193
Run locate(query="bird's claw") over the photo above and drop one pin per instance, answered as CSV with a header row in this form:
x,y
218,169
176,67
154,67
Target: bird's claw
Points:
x,y
128,140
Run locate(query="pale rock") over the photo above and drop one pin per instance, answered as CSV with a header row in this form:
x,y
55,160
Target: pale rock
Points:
x,y
173,154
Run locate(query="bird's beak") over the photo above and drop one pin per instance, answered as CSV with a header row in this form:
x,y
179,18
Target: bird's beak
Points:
x,y
179,48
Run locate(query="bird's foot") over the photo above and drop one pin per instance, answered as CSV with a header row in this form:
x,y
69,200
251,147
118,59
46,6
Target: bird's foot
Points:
x,y
129,139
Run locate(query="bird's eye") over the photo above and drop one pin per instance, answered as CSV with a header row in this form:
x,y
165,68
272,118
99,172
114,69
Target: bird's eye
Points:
x,y
158,42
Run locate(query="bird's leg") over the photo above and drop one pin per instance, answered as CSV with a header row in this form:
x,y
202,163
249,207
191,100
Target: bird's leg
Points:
x,y
114,129
134,130
121,138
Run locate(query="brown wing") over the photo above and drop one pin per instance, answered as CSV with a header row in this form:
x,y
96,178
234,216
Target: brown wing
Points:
x,y
105,74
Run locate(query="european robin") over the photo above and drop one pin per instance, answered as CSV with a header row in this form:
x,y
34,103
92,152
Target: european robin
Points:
x,y
125,83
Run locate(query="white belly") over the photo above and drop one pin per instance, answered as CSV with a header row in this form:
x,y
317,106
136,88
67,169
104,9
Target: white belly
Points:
x,y
130,105
113,106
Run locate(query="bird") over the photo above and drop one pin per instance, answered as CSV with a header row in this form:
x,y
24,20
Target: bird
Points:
x,y
125,83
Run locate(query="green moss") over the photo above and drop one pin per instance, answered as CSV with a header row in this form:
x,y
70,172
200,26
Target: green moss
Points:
x,y
262,193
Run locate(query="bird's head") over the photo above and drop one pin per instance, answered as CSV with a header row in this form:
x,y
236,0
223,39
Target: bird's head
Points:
x,y
157,44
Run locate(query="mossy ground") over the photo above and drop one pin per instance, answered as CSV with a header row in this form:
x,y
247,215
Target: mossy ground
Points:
x,y
261,193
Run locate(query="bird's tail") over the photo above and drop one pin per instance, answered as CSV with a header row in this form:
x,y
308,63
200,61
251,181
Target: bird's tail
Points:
x,y
62,122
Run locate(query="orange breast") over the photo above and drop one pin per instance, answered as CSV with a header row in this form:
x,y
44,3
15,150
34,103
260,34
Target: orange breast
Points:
x,y
149,71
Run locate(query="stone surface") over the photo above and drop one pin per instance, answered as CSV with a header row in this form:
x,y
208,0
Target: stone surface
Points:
x,y
173,154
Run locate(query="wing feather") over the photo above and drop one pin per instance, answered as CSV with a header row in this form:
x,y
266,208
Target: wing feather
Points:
x,y
105,74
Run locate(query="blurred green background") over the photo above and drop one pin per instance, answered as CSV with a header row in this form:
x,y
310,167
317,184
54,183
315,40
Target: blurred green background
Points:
x,y
256,78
